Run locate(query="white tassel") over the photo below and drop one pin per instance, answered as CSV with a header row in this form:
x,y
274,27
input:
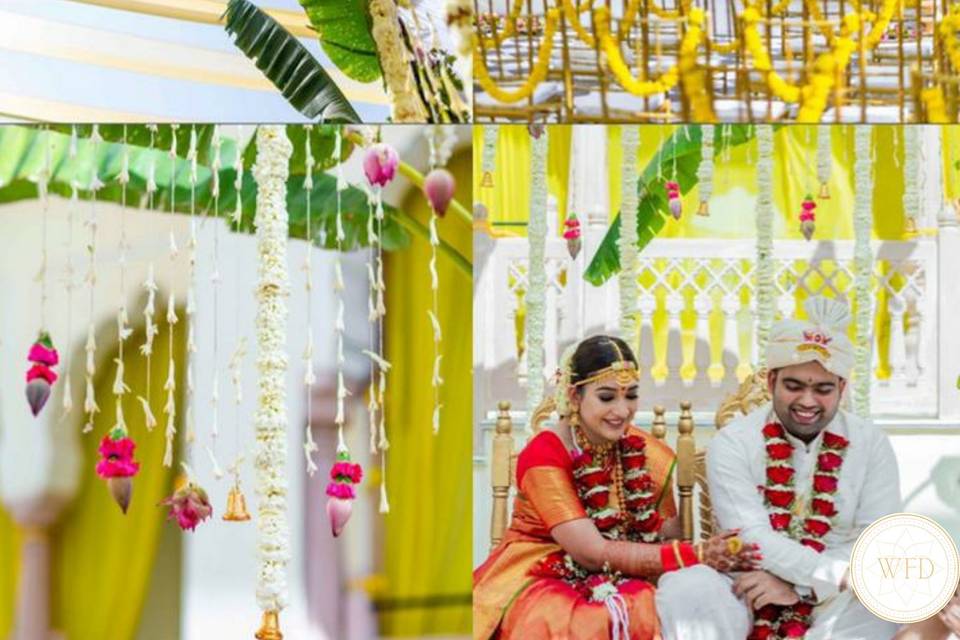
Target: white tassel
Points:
x,y
91,348
119,387
436,419
384,505
217,471
381,363
437,333
171,309
437,380
337,276
67,395
148,416
123,330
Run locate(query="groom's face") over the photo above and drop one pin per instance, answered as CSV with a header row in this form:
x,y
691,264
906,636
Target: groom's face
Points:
x,y
806,397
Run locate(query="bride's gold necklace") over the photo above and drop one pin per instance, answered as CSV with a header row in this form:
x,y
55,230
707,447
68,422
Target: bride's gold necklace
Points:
x,y
604,450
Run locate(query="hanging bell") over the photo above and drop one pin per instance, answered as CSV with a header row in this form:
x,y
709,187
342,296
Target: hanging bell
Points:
x,y
270,627
487,180
704,209
824,191
236,506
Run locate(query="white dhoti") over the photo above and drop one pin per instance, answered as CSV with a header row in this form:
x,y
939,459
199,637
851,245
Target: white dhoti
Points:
x,y
698,604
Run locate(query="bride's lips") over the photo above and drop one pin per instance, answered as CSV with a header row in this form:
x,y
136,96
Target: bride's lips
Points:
x,y
805,416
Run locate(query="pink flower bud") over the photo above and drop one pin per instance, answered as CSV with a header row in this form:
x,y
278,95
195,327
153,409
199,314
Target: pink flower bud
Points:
x,y
438,186
676,206
380,164
338,511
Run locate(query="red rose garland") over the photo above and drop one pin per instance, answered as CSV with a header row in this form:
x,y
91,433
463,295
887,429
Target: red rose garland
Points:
x,y
774,621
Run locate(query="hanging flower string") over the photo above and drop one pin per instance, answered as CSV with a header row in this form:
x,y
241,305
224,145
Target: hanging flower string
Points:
x,y
628,235
489,156
824,160
911,196
705,169
807,216
150,286
189,504
69,275
764,265
191,307
340,492
170,386
863,269
309,376
338,286
90,406
571,234
211,448
536,270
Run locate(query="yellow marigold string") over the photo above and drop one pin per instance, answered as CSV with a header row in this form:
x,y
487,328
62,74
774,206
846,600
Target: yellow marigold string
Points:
x,y
573,17
936,107
761,59
693,77
611,49
826,69
509,29
948,35
727,47
537,74
880,23
818,18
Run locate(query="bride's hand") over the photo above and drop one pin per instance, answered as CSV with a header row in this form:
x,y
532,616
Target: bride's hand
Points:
x,y
727,552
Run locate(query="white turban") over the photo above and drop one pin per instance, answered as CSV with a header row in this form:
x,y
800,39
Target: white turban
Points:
x,y
822,338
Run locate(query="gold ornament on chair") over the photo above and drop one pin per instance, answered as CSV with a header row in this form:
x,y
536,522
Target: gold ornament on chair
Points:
x,y
236,506
270,627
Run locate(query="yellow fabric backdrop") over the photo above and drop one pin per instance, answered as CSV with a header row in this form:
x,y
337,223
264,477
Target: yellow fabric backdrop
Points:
x,y
427,532
732,208
9,565
103,560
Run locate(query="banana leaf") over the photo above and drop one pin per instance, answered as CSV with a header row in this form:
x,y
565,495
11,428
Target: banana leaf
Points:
x,y
344,29
287,63
681,150
23,157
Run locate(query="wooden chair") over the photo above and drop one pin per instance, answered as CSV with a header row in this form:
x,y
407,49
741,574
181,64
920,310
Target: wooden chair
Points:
x,y
692,463
503,462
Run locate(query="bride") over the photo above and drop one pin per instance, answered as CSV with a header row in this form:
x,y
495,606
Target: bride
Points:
x,y
594,521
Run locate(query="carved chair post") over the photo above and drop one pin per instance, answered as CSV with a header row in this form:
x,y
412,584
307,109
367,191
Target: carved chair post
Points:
x,y
501,469
659,427
686,472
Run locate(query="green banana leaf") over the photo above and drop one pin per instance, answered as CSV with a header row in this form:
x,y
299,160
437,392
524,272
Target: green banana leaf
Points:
x,y
287,64
344,29
681,150
23,157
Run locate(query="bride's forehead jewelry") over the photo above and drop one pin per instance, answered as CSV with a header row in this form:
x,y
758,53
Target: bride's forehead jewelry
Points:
x,y
624,372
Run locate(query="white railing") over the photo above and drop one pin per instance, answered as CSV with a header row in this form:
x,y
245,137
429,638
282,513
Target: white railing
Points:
x,y
689,288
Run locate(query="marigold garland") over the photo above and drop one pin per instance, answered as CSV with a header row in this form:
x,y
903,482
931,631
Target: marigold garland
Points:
x,y
611,49
694,85
948,29
509,29
537,75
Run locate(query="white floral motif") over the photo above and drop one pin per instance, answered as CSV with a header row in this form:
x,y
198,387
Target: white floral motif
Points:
x,y
270,172
628,235
863,268
537,275
405,106
764,268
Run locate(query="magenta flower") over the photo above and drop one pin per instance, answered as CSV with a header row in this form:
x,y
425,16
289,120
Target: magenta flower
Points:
x,y
343,474
40,376
380,164
189,506
346,472
41,371
116,457
43,354
341,490
439,186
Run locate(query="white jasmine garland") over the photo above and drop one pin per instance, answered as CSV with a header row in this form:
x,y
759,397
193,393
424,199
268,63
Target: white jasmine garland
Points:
x,y
405,105
630,138
536,272
215,284
863,269
489,156
911,150
705,170
69,274
309,377
765,293
271,172
436,380
338,286
824,154
170,386
90,406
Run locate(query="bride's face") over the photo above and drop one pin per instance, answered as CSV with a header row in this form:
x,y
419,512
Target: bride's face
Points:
x,y
606,409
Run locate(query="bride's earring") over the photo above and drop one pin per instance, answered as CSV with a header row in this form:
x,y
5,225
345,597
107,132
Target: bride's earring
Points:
x,y
575,419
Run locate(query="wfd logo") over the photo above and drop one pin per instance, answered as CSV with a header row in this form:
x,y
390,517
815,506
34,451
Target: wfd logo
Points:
x,y
904,568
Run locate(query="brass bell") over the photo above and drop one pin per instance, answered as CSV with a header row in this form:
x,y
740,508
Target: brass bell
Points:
x,y
704,209
487,180
270,628
236,506
824,192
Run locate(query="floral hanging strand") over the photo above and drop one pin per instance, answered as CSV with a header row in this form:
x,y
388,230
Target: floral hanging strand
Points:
x,y
309,376
911,196
69,275
270,172
824,160
807,216
42,354
191,307
764,265
405,106
536,270
90,407
863,269
150,286
338,286
628,234
211,448
170,386
705,169
489,155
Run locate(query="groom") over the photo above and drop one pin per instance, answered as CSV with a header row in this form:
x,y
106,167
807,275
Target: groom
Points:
x,y
801,478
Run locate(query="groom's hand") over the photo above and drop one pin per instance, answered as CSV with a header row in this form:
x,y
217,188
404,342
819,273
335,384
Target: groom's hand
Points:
x,y
760,588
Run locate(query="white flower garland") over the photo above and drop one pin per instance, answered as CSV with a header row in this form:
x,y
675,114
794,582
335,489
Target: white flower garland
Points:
x,y
489,156
824,155
705,170
863,269
191,307
405,106
765,292
90,406
69,275
309,376
338,286
911,197
436,380
170,386
628,235
215,284
536,272
271,171
123,330
150,328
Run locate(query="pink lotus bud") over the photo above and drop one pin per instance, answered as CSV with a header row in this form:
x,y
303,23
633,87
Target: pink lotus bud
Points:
x,y
439,185
380,164
573,246
676,207
121,488
38,392
338,511
807,228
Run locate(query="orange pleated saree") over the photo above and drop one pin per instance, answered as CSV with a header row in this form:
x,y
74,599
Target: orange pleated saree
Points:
x,y
512,599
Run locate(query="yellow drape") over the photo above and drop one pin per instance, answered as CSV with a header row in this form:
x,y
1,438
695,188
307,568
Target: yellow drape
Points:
x,y
9,565
427,532
102,559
